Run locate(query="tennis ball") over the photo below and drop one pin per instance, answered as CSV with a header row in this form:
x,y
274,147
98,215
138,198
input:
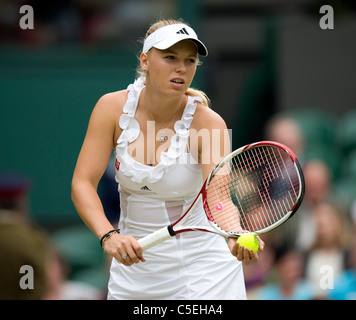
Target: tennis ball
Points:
x,y
249,241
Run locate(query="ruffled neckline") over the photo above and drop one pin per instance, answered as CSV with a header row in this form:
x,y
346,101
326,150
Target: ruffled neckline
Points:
x,y
138,171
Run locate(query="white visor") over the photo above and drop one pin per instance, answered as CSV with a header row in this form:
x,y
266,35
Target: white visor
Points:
x,y
167,36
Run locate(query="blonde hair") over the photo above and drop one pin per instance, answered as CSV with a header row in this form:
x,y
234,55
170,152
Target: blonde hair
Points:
x,y
157,25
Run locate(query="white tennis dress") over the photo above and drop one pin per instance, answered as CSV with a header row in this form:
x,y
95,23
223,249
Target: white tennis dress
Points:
x,y
192,265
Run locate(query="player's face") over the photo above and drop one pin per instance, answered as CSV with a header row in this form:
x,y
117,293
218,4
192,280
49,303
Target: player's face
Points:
x,y
172,70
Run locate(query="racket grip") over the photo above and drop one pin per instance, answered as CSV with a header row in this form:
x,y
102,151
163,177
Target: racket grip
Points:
x,y
154,238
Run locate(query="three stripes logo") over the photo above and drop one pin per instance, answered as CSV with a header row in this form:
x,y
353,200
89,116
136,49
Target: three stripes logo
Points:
x,y
182,31
147,189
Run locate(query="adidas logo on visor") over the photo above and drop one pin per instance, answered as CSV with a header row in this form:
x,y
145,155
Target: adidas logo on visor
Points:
x,y
182,31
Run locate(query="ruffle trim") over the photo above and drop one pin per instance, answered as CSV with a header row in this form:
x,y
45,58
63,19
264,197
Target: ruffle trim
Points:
x,y
131,130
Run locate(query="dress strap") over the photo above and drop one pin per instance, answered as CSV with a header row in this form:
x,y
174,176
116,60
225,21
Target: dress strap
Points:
x,y
182,126
127,122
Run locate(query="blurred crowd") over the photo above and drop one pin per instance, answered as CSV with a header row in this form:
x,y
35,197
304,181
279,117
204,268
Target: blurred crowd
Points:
x,y
78,21
32,264
313,255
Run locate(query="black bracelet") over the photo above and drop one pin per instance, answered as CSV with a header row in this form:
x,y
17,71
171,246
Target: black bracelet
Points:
x,y
108,235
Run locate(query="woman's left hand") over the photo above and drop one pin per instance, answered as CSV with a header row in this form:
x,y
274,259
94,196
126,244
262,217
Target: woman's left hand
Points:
x,y
242,253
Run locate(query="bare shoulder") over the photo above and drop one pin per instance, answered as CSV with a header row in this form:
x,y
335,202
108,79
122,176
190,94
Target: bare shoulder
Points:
x,y
105,116
109,108
206,118
112,102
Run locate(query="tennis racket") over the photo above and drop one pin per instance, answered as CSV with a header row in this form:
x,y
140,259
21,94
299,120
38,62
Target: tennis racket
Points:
x,y
252,190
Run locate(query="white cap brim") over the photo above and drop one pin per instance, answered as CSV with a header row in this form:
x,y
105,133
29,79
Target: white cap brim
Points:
x,y
168,36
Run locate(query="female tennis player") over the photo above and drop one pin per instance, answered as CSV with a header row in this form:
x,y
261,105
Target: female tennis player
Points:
x,y
160,169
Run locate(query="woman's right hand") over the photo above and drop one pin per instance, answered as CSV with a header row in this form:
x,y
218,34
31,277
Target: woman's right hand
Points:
x,y
119,245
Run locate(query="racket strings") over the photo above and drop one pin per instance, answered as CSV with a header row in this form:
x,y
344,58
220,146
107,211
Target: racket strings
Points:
x,y
253,191
271,187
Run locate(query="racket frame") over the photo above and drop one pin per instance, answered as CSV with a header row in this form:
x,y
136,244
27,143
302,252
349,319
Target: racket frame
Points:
x,y
177,227
299,171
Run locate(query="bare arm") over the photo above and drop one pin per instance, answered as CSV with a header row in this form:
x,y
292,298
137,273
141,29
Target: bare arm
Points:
x,y
91,164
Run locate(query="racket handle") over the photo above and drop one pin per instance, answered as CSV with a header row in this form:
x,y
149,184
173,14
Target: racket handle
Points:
x,y
154,238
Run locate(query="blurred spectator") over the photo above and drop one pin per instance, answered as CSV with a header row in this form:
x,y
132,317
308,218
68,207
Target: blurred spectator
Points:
x,y
289,283
317,177
21,244
300,230
285,130
345,285
318,181
57,271
58,287
24,244
328,253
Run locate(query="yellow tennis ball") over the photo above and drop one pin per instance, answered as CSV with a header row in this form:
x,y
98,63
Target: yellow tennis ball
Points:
x,y
249,241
